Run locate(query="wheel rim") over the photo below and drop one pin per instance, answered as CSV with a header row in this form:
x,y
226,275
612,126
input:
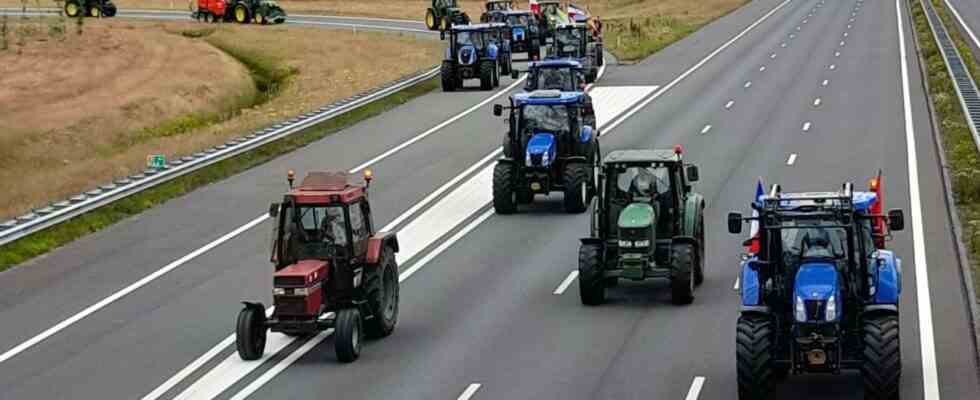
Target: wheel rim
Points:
x,y
430,20
390,296
258,18
94,12
240,14
72,9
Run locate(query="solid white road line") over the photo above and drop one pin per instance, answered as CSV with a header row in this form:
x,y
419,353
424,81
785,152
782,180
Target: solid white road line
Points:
x,y
281,366
791,160
705,129
969,31
930,380
565,283
469,392
695,391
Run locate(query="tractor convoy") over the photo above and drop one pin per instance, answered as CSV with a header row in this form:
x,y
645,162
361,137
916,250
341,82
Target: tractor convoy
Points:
x,y
819,290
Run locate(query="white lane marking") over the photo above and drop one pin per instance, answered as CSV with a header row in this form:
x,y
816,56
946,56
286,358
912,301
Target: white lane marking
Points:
x,y
729,105
969,31
565,283
695,391
806,126
825,82
469,392
747,84
791,160
174,380
832,67
705,129
282,365
792,36
737,279
127,290
854,14
930,379
194,254
845,34
697,66
773,55
836,54
817,101
400,21
805,21
850,20
848,26
797,28
445,245
345,25
783,44
841,43
762,68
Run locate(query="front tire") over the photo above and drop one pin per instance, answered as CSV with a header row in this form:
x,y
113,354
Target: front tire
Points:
x,y
486,75
682,283
753,355
881,367
431,21
591,287
348,335
73,9
448,77
250,333
504,192
383,297
95,11
576,181
242,15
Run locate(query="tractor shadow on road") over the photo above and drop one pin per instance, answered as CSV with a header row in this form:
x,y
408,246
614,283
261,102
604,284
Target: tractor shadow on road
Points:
x,y
643,294
548,205
816,386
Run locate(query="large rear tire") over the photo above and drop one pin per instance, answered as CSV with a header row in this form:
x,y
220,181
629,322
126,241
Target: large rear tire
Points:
x,y
753,355
881,367
431,20
348,335
383,297
250,333
591,287
448,77
504,192
682,258
242,14
576,181
699,264
72,8
486,75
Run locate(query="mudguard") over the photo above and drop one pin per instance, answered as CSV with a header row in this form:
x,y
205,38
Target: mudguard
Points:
x,y
888,277
377,243
749,284
693,207
255,306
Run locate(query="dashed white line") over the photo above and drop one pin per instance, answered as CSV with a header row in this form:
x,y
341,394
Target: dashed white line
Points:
x,y
845,34
762,68
792,36
469,392
850,20
817,102
841,43
737,279
798,27
836,54
747,84
848,26
832,67
705,129
825,82
806,126
772,56
729,104
695,391
568,281
783,44
805,21
791,160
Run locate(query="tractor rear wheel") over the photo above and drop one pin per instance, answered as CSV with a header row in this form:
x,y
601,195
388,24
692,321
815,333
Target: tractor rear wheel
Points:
x,y
72,8
250,333
448,77
682,283
881,367
382,289
444,23
348,335
242,14
576,181
431,21
699,264
504,192
591,287
94,11
110,11
753,355
486,75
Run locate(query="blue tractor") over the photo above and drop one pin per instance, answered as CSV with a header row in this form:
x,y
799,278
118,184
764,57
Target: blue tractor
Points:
x,y
565,75
524,31
574,41
473,52
549,147
819,291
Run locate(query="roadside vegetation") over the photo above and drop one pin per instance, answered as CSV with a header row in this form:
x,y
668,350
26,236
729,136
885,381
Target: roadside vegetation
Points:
x,y
957,142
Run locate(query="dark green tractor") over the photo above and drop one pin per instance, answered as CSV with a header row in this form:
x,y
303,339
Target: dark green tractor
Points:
x,y
647,223
90,8
444,14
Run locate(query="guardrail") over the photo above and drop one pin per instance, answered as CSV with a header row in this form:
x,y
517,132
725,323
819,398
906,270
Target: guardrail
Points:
x,y
82,203
966,87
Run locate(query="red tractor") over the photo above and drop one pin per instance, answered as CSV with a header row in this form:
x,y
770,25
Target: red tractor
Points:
x,y
240,11
333,271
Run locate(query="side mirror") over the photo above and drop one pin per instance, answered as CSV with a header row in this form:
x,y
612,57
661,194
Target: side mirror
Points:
x,y
498,110
734,223
274,210
896,219
692,173
514,74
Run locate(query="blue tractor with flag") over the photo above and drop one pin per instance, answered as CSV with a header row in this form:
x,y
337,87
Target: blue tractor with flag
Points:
x,y
819,290
474,52
549,147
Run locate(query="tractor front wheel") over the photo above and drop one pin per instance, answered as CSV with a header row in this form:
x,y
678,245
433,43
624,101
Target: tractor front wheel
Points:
x,y
431,20
591,287
504,192
260,19
486,75
382,289
250,333
699,235
881,367
682,283
94,11
753,356
576,182
448,77
242,14
72,9
348,335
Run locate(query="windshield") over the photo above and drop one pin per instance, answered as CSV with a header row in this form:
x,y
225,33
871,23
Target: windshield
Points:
x,y
569,40
643,181
811,239
550,118
315,230
556,79
469,38
517,20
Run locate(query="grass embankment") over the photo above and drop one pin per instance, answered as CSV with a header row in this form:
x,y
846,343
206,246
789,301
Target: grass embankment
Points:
x,y
958,145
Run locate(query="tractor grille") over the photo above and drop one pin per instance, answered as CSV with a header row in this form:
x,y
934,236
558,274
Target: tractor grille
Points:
x,y
289,281
290,305
814,309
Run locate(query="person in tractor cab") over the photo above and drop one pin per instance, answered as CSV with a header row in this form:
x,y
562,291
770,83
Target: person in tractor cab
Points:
x,y
650,185
474,39
316,233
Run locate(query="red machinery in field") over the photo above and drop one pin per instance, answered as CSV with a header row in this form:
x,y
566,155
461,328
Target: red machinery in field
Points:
x,y
240,11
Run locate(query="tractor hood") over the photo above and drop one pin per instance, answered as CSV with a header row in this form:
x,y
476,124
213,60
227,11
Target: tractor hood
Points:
x,y
816,281
636,215
541,150
302,273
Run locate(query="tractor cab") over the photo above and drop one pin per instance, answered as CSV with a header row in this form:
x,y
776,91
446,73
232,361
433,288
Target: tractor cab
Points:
x,y
573,41
818,280
475,52
444,14
495,8
523,33
564,75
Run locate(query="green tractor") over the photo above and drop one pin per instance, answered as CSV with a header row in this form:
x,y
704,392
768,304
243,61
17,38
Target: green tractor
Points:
x,y
647,223
90,8
444,14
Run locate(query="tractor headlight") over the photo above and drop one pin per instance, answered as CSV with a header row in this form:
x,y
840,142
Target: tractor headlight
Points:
x,y
642,243
278,291
301,291
625,243
831,308
800,310
545,159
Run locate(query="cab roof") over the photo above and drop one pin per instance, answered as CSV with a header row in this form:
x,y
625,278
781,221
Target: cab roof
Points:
x,y
516,12
860,201
478,27
547,97
640,156
328,187
559,63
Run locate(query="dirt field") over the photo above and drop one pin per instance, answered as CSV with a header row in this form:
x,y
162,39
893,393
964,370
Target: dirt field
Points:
x,y
81,118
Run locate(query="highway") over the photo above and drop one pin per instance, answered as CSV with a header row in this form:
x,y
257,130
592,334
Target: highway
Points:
x,y
805,93
967,14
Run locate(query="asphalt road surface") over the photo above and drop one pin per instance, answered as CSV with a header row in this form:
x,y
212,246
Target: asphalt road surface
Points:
x,y
967,14
806,93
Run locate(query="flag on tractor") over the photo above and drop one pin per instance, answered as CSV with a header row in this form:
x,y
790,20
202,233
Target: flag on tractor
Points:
x,y
533,5
752,245
576,13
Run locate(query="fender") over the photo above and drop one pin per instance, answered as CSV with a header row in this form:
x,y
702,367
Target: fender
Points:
x,y
749,281
257,307
888,277
693,207
590,240
378,242
580,159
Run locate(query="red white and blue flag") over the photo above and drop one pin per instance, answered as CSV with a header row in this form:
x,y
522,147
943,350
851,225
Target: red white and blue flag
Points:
x,y
576,13
752,245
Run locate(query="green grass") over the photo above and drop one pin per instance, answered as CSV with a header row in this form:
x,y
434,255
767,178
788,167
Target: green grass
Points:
x,y
960,149
39,243
633,39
